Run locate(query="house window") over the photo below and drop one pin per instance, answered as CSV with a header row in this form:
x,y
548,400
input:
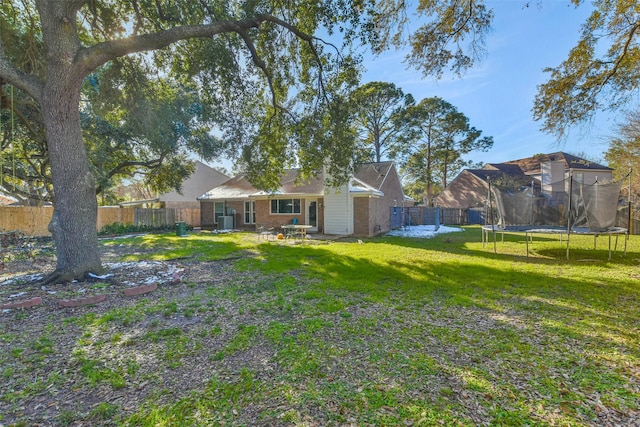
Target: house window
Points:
x,y
218,211
250,212
285,206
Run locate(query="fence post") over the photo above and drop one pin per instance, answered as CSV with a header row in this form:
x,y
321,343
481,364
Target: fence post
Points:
x,y
437,221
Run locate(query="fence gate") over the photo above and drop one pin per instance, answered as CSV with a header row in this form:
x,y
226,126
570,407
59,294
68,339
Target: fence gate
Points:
x,y
396,216
477,216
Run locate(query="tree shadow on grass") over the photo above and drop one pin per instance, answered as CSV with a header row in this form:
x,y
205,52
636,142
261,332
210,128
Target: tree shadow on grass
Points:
x,y
544,249
568,325
376,328
468,282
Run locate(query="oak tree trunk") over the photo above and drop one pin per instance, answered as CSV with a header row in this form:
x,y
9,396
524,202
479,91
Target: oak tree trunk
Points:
x,y
75,205
73,225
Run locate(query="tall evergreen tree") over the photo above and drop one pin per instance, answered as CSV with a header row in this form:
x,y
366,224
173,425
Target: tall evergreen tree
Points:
x,y
380,118
433,150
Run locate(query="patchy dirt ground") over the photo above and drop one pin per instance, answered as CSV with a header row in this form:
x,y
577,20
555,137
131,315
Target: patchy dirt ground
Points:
x,y
48,353
19,279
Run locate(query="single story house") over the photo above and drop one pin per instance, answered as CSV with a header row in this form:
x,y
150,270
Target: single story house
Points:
x,y
361,207
548,172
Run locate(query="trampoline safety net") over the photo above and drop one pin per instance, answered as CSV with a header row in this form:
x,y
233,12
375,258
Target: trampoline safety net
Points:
x,y
591,207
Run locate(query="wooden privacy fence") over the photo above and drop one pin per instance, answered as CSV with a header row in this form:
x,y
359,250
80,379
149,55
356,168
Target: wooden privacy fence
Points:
x,y
34,221
166,217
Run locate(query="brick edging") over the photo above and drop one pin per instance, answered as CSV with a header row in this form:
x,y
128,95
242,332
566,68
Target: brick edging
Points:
x,y
22,304
139,290
78,302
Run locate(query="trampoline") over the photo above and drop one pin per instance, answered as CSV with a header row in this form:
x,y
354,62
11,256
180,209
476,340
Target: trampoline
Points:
x,y
560,232
564,208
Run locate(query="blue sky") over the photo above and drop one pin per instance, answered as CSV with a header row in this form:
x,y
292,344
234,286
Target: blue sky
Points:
x,y
497,95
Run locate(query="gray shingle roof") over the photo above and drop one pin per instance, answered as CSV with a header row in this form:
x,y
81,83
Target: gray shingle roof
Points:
x,y
367,176
532,164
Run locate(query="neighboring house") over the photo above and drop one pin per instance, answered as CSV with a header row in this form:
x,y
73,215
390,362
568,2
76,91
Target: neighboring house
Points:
x,y
195,185
552,169
360,207
546,171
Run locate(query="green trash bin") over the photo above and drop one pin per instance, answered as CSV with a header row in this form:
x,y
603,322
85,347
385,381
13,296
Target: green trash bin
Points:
x,y
181,229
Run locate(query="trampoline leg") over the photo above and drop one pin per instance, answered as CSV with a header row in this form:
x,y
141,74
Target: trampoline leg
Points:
x,y
609,247
625,244
495,249
526,240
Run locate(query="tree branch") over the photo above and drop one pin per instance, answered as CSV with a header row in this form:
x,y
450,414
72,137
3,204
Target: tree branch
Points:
x,y
28,123
623,54
124,165
95,56
307,38
28,83
258,62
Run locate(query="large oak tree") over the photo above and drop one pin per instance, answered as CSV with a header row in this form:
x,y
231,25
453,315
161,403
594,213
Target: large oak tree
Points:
x,y
278,90
602,72
133,127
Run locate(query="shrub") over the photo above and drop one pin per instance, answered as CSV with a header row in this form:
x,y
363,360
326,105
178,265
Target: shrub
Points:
x,y
120,228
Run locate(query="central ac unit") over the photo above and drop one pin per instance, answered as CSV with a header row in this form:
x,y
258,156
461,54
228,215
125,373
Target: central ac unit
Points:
x,y
225,223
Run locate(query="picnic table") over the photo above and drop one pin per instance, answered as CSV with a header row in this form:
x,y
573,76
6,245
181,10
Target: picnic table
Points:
x,y
295,230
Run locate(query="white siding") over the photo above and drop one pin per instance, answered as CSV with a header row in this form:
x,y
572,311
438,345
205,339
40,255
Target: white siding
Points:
x,y
553,176
338,211
590,177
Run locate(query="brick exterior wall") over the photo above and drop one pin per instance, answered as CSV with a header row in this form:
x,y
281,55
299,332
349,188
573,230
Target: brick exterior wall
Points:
x,y
238,218
263,214
372,214
379,211
206,215
265,219
362,219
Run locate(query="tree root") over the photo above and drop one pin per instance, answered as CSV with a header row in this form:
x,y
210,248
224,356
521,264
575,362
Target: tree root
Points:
x,y
59,276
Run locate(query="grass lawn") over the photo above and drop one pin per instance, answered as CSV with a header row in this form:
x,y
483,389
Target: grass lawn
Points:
x,y
384,331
